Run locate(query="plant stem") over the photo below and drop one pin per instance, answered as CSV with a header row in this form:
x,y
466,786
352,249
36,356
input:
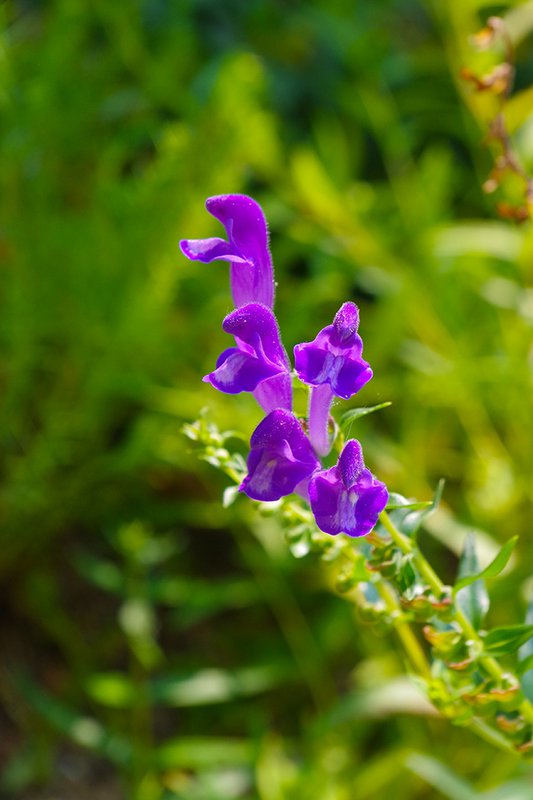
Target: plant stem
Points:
x,y
426,571
412,647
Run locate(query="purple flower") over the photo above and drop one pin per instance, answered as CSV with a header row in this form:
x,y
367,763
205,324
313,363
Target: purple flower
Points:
x,y
281,458
258,363
251,272
347,498
334,357
333,365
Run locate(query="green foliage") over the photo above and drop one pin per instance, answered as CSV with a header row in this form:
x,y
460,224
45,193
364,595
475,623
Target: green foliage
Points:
x,y
473,599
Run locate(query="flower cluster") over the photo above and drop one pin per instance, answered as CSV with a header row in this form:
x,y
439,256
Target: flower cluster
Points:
x,y
283,458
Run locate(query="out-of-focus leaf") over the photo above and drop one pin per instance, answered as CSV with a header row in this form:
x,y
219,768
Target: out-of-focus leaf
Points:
x,y
225,783
103,574
354,413
519,109
112,689
512,790
493,569
473,600
407,518
81,729
199,752
519,22
440,776
229,496
489,238
397,696
216,685
505,640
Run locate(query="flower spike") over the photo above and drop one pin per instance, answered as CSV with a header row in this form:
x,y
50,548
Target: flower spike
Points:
x,y
251,271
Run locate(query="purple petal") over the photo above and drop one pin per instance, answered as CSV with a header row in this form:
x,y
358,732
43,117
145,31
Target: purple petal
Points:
x,y
247,233
319,407
208,250
334,356
351,377
238,371
345,326
324,495
259,363
350,463
280,457
275,392
347,498
369,507
312,363
256,325
272,477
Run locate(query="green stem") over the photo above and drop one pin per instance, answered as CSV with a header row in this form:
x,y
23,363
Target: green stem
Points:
x,y
426,571
411,645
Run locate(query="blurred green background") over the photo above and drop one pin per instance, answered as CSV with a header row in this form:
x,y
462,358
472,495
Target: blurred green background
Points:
x,y
152,644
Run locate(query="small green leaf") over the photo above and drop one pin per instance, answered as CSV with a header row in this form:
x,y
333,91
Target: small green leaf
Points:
x,y
209,686
408,515
229,496
525,664
199,752
518,109
493,569
406,574
505,640
394,504
473,600
354,413
111,689
440,776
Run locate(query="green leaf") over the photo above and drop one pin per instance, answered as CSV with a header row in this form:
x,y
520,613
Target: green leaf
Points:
x,y
229,496
354,413
111,689
397,501
408,515
203,751
81,729
511,790
505,640
493,569
440,777
518,109
208,686
473,600
525,664
407,576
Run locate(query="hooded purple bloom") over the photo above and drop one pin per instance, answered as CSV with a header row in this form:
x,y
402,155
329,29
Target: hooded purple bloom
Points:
x,y
280,458
333,365
251,272
258,363
347,498
334,357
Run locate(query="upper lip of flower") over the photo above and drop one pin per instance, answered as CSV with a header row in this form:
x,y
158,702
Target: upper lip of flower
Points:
x,y
258,356
280,458
246,248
